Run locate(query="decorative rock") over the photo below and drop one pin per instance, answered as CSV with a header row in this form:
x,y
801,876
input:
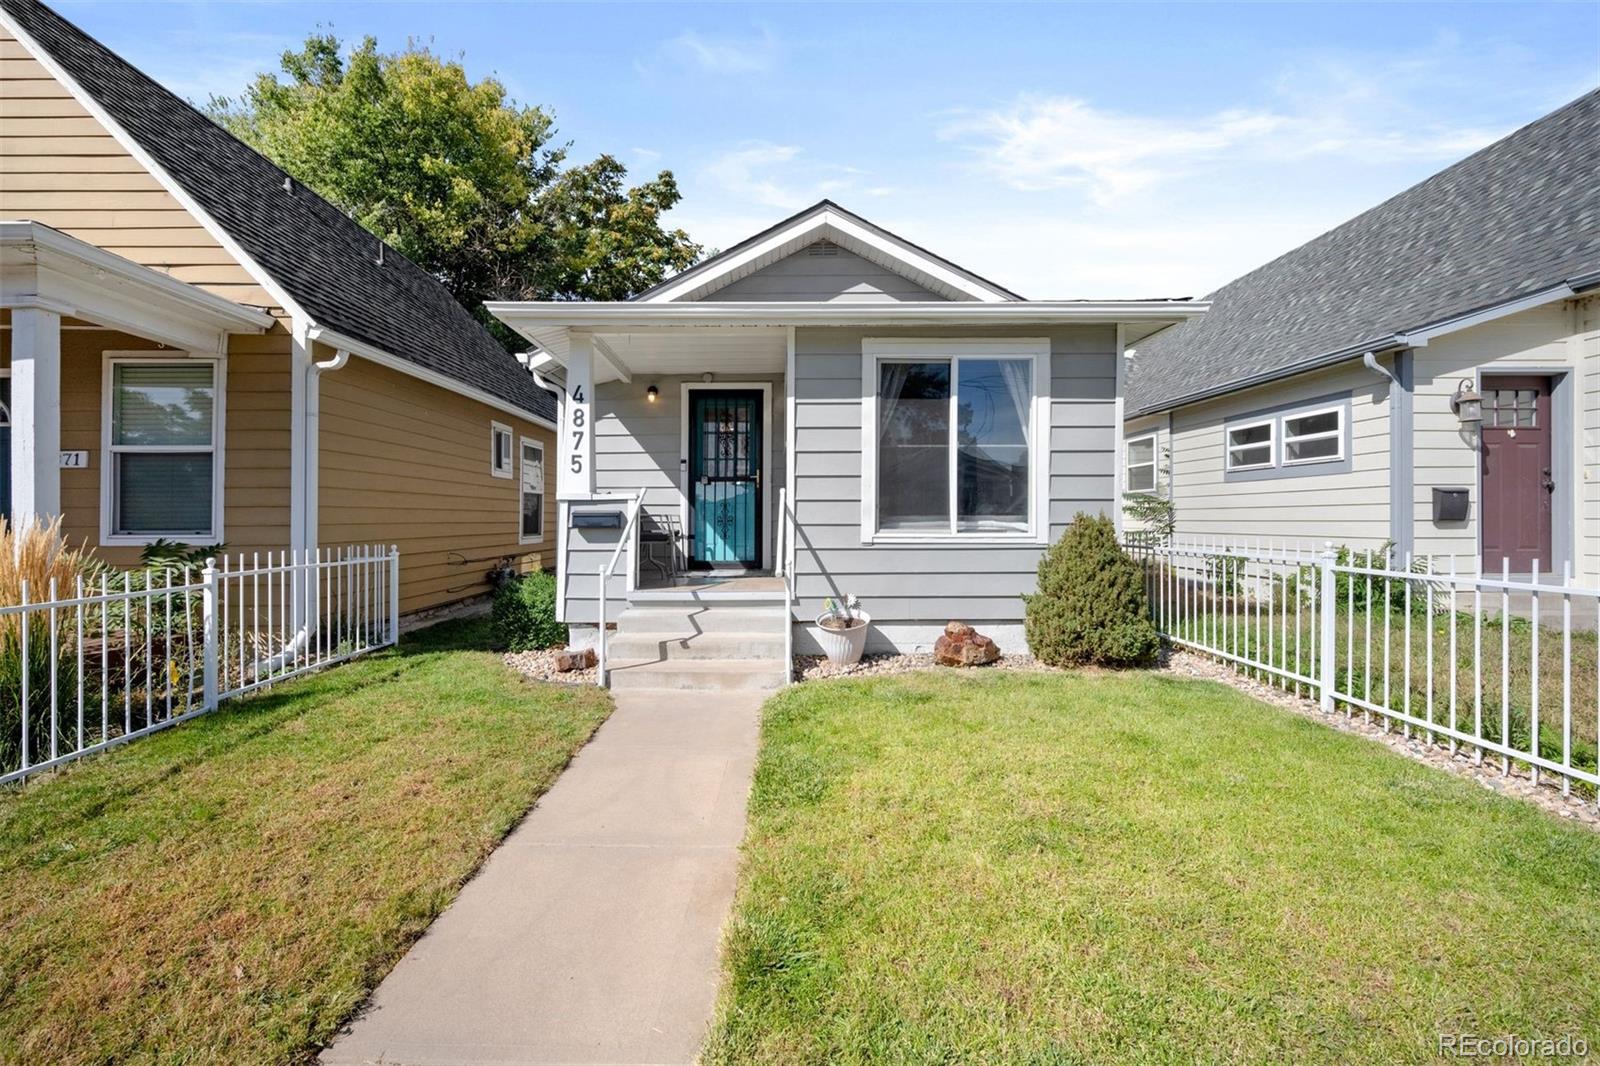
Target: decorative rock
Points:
x,y
575,659
961,645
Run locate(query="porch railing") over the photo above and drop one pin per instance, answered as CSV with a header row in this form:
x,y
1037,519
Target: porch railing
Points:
x,y
125,655
785,567
607,571
1489,665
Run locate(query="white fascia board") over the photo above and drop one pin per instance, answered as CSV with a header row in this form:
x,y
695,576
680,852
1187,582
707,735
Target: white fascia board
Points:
x,y
46,267
1419,338
854,231
826,223
156,170
621,317
366,351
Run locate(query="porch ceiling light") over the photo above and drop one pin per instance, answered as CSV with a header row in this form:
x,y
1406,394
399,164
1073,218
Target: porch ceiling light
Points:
x,y
652,394
1467,404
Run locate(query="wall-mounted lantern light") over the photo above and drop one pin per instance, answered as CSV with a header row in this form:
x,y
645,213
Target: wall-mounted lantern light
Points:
x,y
1467,404
652,394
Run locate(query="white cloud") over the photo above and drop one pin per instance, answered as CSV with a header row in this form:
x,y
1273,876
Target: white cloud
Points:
x,y
763,174
1317,106
724,54
1040,143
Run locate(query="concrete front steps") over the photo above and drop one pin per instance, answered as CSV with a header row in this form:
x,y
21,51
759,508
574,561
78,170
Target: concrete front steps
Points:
x,y
698,645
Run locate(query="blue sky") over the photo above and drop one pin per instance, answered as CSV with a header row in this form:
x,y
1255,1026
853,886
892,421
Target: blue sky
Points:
x,y
1072,150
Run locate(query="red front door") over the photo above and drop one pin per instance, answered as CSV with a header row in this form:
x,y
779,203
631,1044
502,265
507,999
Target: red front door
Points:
x,y
1517,481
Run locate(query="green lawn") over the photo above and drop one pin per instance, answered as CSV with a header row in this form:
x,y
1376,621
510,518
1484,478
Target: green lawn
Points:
x,y
229,891
1507,655
1061,868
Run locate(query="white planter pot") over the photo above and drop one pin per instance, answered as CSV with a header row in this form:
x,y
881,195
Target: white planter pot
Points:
x,y
844,647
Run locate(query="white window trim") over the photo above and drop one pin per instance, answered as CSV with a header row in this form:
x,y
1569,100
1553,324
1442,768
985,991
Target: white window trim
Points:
x,y
496,429
1271,444
898,349
219,436
544,488
1336,433
1128,465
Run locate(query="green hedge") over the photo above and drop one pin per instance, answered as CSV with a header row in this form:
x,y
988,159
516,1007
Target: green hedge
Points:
x,y
524,617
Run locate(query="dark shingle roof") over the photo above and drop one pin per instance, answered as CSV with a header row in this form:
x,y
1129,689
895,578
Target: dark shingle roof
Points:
x,y
324,261
1515,218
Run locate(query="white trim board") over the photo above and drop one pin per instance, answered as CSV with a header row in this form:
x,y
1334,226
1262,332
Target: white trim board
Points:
x,y
829,224
219,436
877,349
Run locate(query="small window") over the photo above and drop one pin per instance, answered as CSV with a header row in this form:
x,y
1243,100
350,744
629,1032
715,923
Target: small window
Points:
x,y
532,527
1140,465
499,450
1314,437
163,449
1250,446
1511,408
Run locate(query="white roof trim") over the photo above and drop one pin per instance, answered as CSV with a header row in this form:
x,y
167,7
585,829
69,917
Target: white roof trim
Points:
x,y
343,342
156,170
43,267
1419,338
548,323
828,224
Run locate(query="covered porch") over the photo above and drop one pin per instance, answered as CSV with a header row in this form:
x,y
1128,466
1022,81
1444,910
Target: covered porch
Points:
x,y
115,382
689,426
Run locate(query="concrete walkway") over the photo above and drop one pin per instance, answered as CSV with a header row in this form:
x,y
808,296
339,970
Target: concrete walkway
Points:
x,y
591,935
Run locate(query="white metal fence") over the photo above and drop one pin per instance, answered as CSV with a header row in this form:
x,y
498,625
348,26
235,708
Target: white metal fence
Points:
x,y
129,653
1505,666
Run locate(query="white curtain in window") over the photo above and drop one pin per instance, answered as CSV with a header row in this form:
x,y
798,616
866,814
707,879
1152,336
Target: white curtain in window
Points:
x,y
1018,377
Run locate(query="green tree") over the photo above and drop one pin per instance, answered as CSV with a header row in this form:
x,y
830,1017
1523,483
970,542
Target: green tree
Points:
x,y
462,179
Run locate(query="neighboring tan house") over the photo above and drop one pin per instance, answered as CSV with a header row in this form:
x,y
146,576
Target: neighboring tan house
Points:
x,y
1321,397
201,349
931,431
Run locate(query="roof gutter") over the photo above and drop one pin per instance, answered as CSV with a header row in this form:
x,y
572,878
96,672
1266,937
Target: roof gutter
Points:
x,y
629,316
348,346
1417,337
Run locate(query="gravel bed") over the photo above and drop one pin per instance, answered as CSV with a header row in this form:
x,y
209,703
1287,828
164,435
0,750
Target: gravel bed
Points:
x,y
1547,794
818,668
541,666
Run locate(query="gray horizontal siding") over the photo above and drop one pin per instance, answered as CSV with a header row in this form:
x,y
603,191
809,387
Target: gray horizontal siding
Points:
x,y
979,582
840,277
638,445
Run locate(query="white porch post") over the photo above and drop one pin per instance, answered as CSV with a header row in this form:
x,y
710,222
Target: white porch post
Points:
x,y
35,415
575,451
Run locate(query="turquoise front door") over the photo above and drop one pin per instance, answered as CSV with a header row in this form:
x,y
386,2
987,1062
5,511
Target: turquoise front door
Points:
x,y
725,478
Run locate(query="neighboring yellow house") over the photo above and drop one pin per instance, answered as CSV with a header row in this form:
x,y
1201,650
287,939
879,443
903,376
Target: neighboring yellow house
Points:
x,y
198,348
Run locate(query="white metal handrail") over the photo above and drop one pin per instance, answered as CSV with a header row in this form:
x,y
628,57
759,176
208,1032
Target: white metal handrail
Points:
x,y
785,561
607,571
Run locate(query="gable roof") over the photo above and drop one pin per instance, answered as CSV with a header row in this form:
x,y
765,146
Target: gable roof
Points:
x,y
827,221
313,257
1515,220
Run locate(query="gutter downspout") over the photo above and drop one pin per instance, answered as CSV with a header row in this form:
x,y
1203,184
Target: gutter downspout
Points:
x,y
1370,361
1402,442
306,428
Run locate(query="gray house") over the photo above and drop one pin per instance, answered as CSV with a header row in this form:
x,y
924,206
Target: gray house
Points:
x,y
1425,375
822,410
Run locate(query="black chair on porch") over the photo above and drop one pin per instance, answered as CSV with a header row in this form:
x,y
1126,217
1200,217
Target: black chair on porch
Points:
x,y
659,537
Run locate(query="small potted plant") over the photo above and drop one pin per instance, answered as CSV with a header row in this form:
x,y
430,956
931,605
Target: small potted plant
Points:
x,y
842,630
